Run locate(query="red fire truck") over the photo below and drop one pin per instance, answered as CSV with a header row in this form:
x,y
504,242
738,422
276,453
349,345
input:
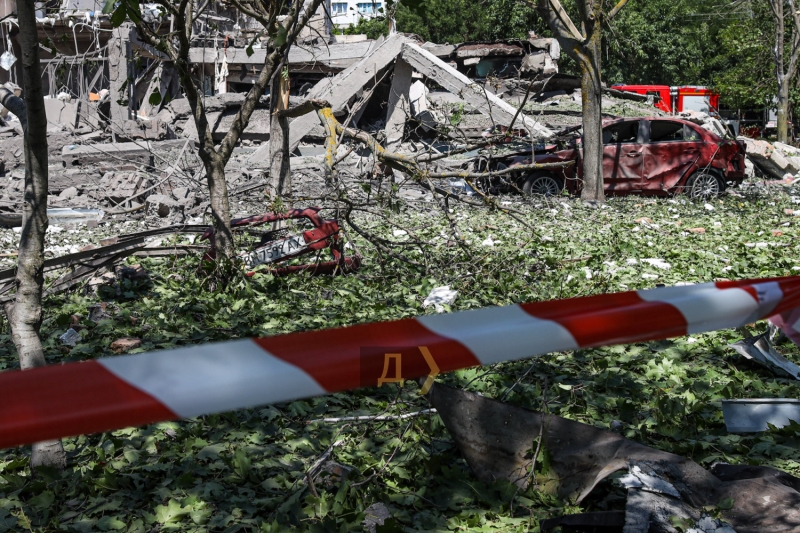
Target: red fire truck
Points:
x,y
677,99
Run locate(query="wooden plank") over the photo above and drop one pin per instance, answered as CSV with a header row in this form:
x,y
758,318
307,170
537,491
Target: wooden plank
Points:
x,y
473,94
338,90
399,104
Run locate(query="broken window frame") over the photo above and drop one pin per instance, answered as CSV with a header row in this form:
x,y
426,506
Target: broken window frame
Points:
x,y
626,123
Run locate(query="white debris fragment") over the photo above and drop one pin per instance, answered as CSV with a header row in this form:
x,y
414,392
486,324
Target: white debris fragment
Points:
x,y
399,233
488,241
588,272
439,297
649,276
708,207
658,263
711,525
636,479
631,261
461,186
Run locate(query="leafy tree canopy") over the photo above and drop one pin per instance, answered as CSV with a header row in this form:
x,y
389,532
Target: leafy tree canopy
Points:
x,y
445,21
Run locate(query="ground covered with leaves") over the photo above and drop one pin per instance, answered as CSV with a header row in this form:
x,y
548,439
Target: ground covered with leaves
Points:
x,y
247,470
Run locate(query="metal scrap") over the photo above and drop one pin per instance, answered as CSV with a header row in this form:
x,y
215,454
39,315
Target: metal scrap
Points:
x,y
756,414
278,246
760,350
496,440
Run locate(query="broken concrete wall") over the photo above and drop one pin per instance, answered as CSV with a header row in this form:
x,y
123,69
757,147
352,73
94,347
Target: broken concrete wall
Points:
x,y
220,111
62,114
771,159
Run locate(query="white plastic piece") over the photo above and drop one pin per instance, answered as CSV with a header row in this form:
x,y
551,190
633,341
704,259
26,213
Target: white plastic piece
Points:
x,y
439,297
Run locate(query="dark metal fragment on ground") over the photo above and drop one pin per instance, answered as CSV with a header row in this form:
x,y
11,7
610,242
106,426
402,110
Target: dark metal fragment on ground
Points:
x,y
498,440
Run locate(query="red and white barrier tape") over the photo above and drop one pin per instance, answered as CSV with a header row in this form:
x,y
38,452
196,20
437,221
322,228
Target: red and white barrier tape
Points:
x,y
116,392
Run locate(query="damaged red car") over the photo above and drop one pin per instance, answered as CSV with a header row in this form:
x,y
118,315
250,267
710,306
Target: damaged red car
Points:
x,y
656,155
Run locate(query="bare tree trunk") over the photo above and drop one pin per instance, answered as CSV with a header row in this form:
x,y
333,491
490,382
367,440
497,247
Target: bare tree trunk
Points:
x,y
784,70
25,315
584,46
220,205
280,177
783,111
592,102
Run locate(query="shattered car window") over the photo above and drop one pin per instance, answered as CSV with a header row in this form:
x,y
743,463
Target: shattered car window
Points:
x,y
663,131
689,134
626,132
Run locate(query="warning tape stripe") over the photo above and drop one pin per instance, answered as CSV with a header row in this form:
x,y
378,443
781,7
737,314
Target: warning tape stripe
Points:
x,y
115,392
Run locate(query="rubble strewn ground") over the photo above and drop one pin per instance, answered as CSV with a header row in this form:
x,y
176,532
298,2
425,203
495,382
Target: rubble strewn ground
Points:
x,y
98,173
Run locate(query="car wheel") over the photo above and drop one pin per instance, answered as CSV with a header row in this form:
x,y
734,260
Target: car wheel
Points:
x,y
703,185
542,184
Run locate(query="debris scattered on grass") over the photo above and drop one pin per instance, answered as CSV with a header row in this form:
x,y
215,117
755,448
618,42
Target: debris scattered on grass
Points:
x,y
125,344
70,337
439,297
760,349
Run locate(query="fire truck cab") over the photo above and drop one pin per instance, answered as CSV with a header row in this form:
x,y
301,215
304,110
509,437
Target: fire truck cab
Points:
x,y
676,99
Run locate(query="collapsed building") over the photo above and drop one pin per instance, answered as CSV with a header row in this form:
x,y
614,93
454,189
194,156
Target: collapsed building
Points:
x,y
93,72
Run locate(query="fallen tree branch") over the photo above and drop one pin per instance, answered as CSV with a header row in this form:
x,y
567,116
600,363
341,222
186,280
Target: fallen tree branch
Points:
x,y
303,108
376,418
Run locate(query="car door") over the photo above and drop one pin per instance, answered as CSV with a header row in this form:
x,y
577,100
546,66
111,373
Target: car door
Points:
x,y
671,151
622,156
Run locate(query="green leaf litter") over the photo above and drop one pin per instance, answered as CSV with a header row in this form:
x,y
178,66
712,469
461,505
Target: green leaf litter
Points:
x,y
247,470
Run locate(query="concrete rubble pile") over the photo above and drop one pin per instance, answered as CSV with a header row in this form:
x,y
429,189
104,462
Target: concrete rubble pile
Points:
x,y
706,121
775,160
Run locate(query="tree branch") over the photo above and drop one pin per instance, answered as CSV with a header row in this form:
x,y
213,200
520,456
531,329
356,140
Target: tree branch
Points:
x,y
304,108
569,28
617,9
